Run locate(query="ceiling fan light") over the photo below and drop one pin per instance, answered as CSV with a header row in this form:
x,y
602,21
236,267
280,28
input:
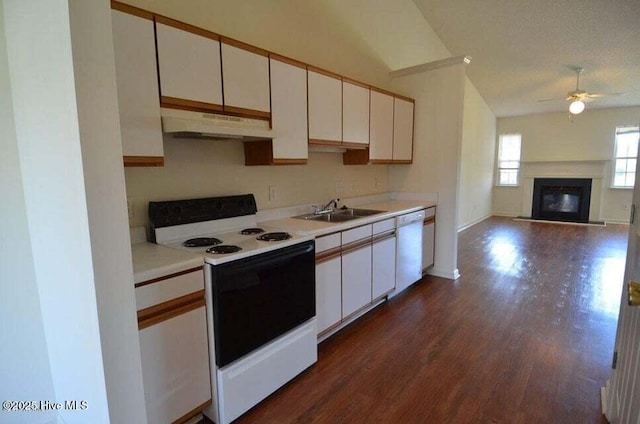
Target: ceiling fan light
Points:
x,y
576,107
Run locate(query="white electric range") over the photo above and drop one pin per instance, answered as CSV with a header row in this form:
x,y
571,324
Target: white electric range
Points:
x,y
260,296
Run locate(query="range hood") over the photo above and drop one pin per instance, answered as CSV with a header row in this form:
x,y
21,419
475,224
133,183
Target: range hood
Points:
x,y
187,124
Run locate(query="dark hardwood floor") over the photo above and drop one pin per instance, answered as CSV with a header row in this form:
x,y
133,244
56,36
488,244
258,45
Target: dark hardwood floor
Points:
x,y
524,336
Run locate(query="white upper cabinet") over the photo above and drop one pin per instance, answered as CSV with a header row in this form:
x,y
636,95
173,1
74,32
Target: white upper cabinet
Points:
x,y
381,128
189,65
402,131
246,78
137,83
289,110
325,108
355,113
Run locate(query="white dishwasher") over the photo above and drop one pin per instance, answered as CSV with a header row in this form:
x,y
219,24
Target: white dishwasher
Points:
x,y
409,249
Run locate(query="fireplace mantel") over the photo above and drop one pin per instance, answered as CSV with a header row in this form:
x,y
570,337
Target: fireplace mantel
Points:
x,y
564,169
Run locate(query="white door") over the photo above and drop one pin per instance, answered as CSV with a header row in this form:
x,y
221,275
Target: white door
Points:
x,y
623,394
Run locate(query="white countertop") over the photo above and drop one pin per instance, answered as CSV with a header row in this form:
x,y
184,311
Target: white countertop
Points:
x,y
392,209
153,261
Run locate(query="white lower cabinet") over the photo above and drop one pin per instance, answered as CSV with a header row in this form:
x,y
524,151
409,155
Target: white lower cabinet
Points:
x,y
175,366
356,279
383,265
328,293
174,347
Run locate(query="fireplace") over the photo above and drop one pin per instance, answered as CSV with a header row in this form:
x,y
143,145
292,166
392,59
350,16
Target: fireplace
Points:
x,y
561,199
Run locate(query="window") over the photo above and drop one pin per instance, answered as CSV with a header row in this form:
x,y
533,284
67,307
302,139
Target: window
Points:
x,y
509,159
626,153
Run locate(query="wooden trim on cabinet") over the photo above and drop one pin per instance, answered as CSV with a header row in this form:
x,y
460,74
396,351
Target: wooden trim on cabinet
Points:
x,y
356,157
381,91
172,308
131,10
194,412
290,161
319,142
324,72
355,245
192,105
187,27
258,152
143,160
354,145
429,220
401,97
167,277
328,254
244,46
382,161
383,236
247,113
402,161
287,60
354,82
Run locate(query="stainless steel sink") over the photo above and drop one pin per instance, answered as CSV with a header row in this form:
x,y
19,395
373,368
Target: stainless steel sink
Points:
x,y
357,212
327,217
340,215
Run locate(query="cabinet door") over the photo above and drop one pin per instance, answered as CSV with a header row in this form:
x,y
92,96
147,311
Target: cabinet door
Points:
x,y
189,66
428,243
175,366
383,266
355,114
289,110
381,128
402,131
328,293
137,84
356,280
246,80
325,109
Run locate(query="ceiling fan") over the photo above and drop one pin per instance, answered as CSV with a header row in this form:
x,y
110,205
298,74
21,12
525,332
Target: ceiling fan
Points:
x,y
578,97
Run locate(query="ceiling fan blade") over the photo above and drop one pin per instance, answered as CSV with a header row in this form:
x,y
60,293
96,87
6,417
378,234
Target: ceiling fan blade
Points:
x,y
598,95
550,100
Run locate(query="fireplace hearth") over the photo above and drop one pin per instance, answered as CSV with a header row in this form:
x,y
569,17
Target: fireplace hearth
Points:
x,y
561,199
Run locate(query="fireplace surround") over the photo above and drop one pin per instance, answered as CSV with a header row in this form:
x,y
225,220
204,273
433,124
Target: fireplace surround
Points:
x,y
561,199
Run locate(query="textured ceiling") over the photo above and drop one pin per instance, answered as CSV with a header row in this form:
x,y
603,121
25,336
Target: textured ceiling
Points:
x,y
521,49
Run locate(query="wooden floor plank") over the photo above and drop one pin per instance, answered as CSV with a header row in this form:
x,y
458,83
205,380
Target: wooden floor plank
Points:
x,y
524,336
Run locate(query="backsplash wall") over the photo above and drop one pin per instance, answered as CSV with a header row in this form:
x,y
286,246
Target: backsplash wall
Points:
x,y
206,168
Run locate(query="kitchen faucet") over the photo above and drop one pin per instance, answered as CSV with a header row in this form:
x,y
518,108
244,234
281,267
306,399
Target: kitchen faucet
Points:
x,y
325,208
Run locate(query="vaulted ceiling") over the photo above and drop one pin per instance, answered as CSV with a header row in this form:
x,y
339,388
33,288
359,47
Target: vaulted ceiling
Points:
x,y
522,50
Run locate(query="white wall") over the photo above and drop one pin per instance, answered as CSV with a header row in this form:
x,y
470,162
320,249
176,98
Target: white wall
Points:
x,y
98,120
24,363
553,138
439,95
477,159
60,67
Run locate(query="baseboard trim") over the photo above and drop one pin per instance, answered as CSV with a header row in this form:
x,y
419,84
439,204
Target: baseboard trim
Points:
x,y
590,223
471,224
449,275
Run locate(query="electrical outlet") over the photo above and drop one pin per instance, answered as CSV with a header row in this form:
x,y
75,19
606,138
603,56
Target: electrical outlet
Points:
x,y
339,188
376,182
273,193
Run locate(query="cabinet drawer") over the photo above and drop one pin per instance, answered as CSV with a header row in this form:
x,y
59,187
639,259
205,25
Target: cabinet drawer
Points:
x,y
356,234
382,226
327,242
149,293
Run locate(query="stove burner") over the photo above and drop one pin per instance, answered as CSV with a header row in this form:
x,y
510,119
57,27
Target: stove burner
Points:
x,y
276,236
224,248
248,231
201,242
